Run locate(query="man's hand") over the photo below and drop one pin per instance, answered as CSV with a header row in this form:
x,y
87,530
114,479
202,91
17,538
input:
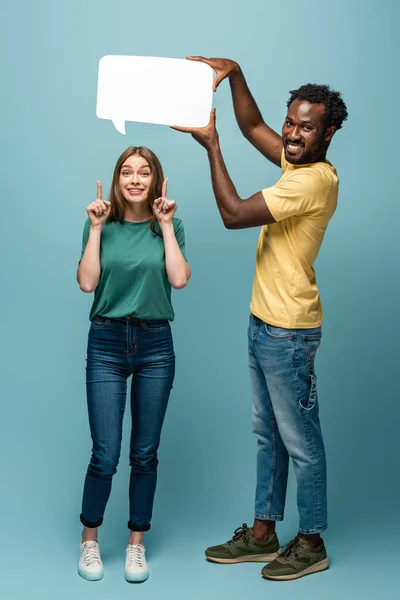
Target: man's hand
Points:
x,y
247,113
223,67
206,136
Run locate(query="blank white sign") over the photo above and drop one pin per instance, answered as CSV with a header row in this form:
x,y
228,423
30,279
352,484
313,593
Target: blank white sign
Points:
x,y
165,91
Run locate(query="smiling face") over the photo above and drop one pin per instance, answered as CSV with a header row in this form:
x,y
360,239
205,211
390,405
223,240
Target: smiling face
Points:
x,y
304,133
135,179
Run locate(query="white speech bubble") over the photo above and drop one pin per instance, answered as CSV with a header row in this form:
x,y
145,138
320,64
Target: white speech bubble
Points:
x,y
164,91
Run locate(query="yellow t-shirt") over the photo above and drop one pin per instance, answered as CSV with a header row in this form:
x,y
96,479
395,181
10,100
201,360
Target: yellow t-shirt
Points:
x,y
285,291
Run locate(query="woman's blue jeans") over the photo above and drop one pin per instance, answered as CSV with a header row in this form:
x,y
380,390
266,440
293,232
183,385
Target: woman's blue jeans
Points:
x,y
118,348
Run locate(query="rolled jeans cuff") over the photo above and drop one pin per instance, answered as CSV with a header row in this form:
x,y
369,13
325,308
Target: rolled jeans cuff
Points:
x,y
313,531
89,524
134,527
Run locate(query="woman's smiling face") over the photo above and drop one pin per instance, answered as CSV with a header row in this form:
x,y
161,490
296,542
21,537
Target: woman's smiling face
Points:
x,y
135,179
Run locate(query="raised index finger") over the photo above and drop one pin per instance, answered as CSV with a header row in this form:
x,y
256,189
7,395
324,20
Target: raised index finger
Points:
x,y
164,188
99,190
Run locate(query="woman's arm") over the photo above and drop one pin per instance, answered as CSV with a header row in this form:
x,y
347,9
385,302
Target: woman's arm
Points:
x,y
89,269
178,270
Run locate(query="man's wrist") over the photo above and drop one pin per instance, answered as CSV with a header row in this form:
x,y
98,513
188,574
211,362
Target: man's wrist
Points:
x,y
235,71
213,148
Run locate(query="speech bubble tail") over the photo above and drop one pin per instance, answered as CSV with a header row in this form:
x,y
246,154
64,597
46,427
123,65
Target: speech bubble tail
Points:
x,y
119,125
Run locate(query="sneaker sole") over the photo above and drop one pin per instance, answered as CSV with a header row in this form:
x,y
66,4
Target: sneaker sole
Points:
x,y
241,559
320,566
91,576
135,578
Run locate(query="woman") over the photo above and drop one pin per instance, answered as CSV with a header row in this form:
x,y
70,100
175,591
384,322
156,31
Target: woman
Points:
x,y
133,252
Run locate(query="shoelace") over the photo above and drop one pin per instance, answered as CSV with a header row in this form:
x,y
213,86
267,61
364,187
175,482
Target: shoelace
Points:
x,y
91,555
291,551
135,555
241,533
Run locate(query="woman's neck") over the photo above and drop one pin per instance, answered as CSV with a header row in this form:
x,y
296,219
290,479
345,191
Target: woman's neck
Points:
x,y
137,213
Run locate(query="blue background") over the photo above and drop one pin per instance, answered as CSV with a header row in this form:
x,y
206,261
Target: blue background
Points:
x,y
54,150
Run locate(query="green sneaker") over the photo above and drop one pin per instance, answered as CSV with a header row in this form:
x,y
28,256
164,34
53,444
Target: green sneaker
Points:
x,y
296,560
244,548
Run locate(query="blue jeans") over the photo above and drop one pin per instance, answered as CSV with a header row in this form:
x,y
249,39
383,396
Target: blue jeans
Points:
x,y
286,422
118,348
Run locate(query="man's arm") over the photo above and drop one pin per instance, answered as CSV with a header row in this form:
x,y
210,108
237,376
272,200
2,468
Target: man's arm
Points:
x,y
236,212
248,116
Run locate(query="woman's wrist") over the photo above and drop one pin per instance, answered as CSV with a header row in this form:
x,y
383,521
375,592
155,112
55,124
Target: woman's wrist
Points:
x,y
168,226
96,227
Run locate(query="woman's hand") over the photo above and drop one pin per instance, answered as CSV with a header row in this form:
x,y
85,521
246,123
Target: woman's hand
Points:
x,y
163,208
99,210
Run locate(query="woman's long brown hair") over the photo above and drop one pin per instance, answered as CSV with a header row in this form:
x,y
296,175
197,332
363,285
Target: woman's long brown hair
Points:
x,y
118,202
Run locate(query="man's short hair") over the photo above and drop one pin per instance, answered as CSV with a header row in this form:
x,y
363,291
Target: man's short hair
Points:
x,y
335,108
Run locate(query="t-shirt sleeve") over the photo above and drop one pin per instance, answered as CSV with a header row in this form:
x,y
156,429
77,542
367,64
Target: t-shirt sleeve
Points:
x,y
301,192
283,161
180,236
85,237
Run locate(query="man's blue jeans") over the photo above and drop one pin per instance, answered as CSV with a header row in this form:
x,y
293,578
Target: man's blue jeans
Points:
x,y
286,422
116,350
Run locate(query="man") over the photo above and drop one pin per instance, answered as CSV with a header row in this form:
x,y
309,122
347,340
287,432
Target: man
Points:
x,y
286,315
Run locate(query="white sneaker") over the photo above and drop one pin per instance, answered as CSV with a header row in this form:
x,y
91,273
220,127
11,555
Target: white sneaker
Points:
x,y
90,563
135,563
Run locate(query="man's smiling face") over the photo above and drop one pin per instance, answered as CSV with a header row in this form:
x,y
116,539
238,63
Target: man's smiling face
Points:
x,y
305,134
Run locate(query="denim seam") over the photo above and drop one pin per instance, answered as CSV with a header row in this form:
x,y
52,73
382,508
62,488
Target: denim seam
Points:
x,y
255,337
306,416
313,388
306,425
308,355
273,470
296,370
316,477
135,345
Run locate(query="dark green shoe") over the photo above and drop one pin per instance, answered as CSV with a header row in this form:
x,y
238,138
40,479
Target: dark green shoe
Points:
x,y
296,560
244,548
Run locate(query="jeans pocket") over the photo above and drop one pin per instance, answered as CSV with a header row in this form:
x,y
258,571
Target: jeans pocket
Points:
x,y
100,322
278,333
156,325
312,396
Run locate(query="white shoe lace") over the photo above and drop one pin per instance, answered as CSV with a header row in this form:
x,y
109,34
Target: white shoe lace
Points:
x,y
91,554
135,555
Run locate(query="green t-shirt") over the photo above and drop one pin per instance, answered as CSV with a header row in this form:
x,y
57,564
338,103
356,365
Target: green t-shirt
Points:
x,y
133,278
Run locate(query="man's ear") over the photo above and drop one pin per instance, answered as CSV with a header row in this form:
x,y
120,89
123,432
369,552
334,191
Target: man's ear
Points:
x,y
329,133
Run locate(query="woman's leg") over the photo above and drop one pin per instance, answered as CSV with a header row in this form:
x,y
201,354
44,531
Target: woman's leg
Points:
x,y
106,375
151,385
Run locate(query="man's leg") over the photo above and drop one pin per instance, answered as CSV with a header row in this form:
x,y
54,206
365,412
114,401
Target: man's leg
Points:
x,y
287,360
260,542
272,456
